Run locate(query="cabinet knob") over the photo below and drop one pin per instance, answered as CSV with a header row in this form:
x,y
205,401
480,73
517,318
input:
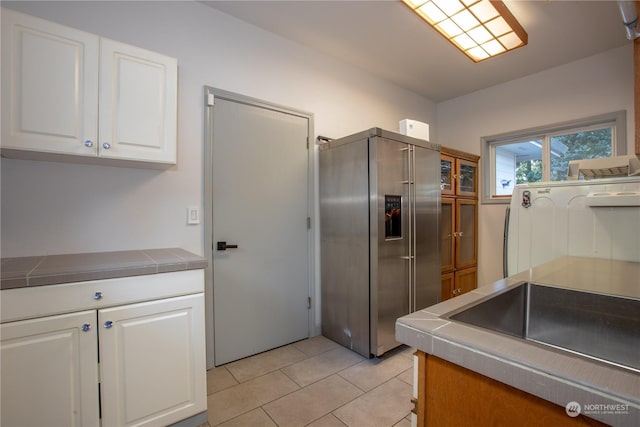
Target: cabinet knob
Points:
x,y
86,327
88,143
97,295
460,233
106,145
108,324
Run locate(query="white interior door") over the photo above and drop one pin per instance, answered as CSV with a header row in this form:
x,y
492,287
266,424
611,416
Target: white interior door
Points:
x,y
260,203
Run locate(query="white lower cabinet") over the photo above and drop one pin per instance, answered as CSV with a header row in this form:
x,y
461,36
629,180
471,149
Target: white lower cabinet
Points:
x,y
50,371
150,361
137,364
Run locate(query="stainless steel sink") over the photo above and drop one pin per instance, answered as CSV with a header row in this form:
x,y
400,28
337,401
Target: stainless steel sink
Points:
x,y
602,327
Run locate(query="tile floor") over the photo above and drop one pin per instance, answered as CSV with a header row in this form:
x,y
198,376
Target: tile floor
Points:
x,y
314,382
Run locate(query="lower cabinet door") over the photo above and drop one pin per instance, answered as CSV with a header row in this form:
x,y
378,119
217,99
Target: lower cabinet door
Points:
x,y
152,362
466,280
50,371
447,286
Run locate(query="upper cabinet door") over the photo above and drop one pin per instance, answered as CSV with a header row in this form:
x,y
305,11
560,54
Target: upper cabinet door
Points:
x,y
138,98
466,178
49,86
447,171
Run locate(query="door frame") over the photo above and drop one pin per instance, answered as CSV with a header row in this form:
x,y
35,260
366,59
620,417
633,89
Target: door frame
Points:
x,y
208,206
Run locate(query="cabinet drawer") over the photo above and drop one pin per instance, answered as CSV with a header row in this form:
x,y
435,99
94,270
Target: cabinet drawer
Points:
x,y
38,301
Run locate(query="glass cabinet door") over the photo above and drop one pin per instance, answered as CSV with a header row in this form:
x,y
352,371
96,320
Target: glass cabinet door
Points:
x,y
447,169
447,243
467,178
466,240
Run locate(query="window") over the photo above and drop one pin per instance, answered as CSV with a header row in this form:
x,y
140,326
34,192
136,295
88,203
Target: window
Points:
x,y
543,154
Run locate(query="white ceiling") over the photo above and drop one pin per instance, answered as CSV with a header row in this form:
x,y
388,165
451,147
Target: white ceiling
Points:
x,y
387,39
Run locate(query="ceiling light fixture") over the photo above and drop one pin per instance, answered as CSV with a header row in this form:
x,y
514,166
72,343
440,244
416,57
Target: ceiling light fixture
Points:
x,y
479,28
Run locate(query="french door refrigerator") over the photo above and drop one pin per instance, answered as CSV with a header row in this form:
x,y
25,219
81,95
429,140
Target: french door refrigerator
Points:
x,y
379,214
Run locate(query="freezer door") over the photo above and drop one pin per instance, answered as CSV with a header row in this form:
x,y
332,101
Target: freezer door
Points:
x,y
391,226
344,213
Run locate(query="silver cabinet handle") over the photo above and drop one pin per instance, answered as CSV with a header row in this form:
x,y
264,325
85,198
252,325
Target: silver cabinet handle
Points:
x,y
97,295
86,327
460,233
88,143
106,145
108,324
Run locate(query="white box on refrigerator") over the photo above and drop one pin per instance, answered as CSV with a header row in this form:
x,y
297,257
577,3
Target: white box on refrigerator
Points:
x,y
414,129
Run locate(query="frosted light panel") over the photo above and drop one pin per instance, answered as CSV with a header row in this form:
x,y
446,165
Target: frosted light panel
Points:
x,y
479,28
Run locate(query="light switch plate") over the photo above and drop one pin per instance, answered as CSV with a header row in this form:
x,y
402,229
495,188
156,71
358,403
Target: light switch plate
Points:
x,y
193,215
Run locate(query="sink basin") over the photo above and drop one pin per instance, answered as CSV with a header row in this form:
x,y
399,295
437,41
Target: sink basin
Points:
x,y
602,327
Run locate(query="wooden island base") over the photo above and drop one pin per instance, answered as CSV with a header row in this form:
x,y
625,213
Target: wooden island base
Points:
x,y
450,395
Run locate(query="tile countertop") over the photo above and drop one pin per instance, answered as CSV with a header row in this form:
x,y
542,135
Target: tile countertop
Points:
x,y
55,269
553,375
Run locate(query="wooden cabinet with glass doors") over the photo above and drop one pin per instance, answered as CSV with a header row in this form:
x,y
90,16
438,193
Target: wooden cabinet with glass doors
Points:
x,y
459,222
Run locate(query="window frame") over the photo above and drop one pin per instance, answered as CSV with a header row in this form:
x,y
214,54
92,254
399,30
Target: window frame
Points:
x,y
488,143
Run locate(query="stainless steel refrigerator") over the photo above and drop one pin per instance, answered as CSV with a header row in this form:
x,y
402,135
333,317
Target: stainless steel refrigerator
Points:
x,y
379,214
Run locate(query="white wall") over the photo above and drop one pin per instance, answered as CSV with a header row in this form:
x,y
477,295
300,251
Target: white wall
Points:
x,y
52,208
600,84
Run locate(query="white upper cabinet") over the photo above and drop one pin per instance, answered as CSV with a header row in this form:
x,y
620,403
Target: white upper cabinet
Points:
x,y
68,92
49,86
138,100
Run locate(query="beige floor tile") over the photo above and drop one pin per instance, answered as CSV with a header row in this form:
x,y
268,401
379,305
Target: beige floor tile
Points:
x,y
322,365
406,351
263,363
244,397
407,376
403,423
219,379
255,418
312,402
383,406
316,345
328,420
370,373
